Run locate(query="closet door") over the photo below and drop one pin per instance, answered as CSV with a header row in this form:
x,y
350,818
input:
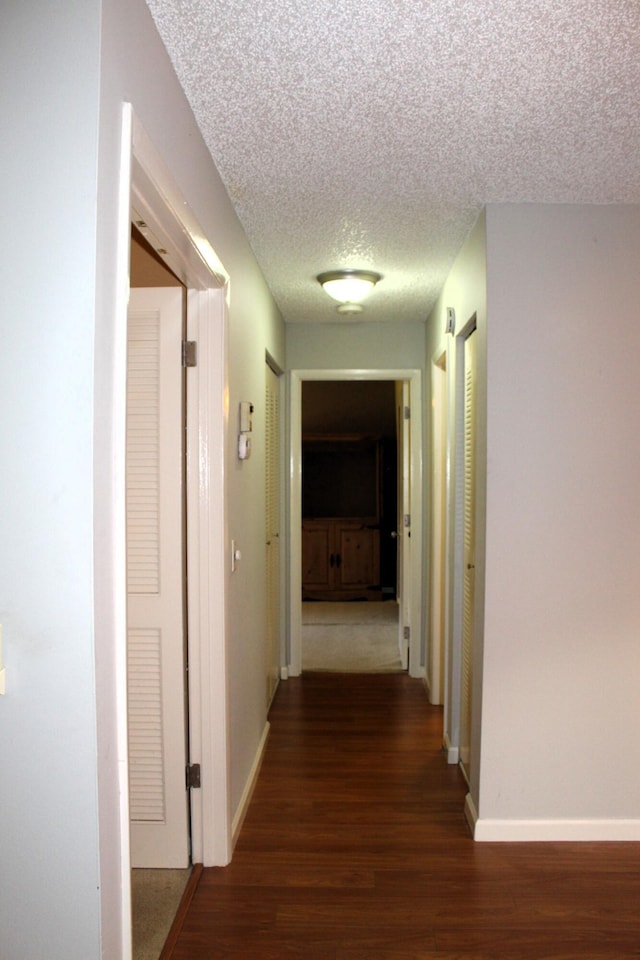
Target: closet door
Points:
x,y
155,581
469,546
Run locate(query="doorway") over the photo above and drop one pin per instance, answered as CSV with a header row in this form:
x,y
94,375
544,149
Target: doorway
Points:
x,y
149,195
350,611
411,633
273,473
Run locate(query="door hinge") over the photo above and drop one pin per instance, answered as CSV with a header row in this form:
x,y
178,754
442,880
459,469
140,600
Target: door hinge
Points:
x,y
407,519
407,633
407,413
193,776
189,353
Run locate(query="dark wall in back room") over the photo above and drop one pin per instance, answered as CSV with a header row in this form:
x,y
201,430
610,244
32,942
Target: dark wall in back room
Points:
x,y
365,407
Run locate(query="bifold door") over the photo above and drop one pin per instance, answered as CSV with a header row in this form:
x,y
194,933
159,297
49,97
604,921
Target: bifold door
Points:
x,y
155,573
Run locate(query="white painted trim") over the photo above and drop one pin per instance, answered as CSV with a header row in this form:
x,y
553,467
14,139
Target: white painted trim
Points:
x,y
169,222
206,562
146,184
526,831
294,579
250,785
471,814
296,377
438,522
192,256
453,753
120,522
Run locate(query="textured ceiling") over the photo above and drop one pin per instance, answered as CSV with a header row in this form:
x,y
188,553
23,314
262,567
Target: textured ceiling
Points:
x,y
370,133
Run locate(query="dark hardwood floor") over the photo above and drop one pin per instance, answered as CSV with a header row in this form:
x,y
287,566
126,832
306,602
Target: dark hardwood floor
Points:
x,y
355,847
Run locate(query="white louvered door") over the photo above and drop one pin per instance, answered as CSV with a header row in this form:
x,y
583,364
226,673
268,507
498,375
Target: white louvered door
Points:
x,y
469,546
155,574
272,524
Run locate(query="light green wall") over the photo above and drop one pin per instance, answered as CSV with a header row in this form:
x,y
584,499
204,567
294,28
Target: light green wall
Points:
x,y
49,70
561,652
355,346
555,291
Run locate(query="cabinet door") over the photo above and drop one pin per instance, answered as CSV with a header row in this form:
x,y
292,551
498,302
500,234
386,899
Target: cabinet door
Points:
x,y
318,559
358,549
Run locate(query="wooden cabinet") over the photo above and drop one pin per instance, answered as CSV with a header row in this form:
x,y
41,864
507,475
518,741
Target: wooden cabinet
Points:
x,y
340,559
341,517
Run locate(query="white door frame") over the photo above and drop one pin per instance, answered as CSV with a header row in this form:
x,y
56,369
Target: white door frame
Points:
x,y
296,377
438,526
148,192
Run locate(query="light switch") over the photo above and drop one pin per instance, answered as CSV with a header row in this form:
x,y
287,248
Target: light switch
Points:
x,y
236,556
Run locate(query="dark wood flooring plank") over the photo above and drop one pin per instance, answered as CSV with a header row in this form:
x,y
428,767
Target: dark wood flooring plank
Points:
x,y
355,847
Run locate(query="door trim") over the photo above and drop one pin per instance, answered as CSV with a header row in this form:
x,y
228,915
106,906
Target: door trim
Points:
x,y
438,530
455,548
147,189
294,579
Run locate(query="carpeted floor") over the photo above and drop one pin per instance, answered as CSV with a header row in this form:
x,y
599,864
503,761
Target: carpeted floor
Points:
x,y
350,637
155,896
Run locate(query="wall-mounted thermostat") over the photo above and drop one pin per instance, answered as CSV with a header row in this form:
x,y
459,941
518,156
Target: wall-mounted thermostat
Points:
x,y
246,416
450,323
246,426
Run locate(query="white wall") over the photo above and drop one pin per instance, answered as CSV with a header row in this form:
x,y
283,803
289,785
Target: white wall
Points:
x,y
49,66
560,719
66,71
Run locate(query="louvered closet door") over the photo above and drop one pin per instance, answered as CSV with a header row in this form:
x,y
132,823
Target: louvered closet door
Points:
x,y
469,545
156,659
272,523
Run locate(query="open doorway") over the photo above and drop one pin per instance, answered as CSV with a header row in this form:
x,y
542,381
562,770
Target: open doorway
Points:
x,y
350,612
373,575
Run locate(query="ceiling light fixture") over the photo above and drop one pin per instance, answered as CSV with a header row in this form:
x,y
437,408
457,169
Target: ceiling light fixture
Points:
x,y
348,287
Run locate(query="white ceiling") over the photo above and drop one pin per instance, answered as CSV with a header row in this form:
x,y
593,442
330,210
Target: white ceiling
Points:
x,y
370,133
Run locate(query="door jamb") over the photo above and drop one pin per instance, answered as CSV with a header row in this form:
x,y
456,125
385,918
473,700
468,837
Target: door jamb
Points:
x,y
294,579
438,531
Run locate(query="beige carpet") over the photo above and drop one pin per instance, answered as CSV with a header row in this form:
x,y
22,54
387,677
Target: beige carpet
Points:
x,y
155,897
350,637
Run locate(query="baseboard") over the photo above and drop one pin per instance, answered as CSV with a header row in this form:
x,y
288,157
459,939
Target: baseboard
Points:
x,y
471,814
250,785
513,831
181,915
453,753
434,701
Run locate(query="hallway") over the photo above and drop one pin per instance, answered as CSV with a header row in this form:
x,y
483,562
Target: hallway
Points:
x,y
355,848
